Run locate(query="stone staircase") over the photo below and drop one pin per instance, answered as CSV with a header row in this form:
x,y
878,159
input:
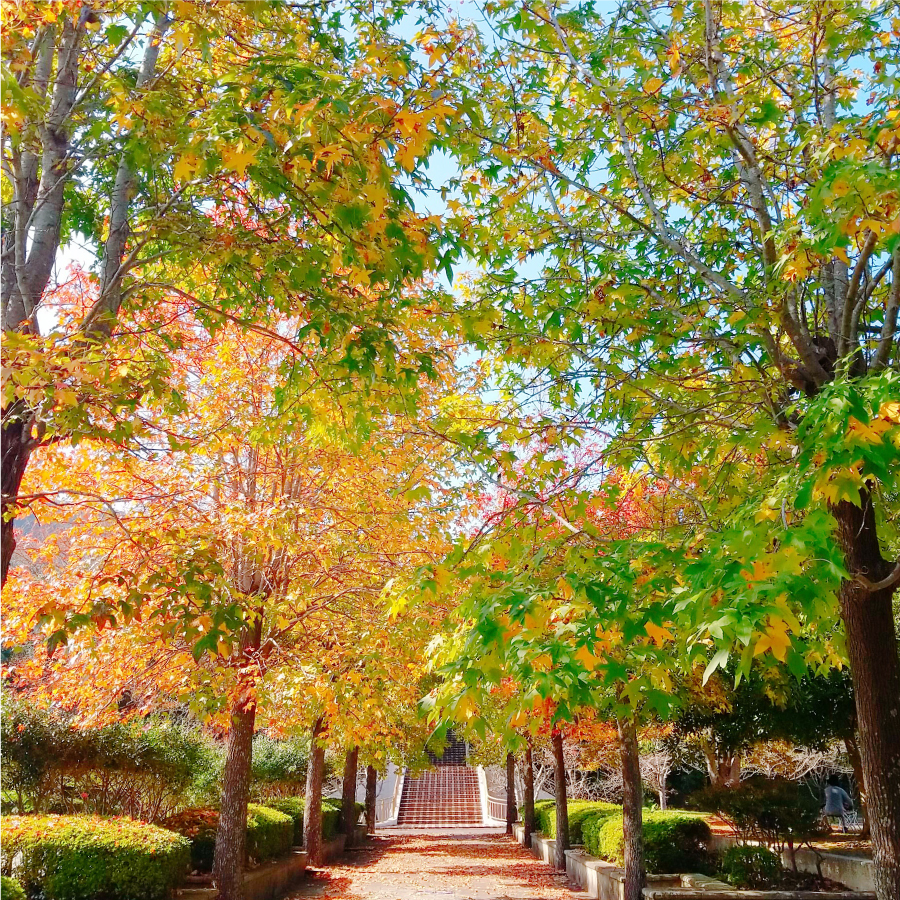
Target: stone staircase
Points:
x,y
446,795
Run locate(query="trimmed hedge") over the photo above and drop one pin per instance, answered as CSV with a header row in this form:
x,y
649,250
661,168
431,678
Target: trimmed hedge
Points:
x,y
773,811
580,811
269,833
750,866
88,857
674,841
10,889
331,817
292,807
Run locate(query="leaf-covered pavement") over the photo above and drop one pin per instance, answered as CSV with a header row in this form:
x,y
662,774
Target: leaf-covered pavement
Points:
x,y
446,866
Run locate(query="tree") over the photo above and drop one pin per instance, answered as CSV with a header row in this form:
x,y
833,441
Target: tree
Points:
x,y
686,229
239,569
251,161
569,608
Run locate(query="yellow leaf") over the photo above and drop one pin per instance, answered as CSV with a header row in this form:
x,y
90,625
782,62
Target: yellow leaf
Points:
x,y
841,254
586,658
890,411
565,589
652,85
185,167
841,187
237,159
659,635
872,433
518,720
775,639
543,663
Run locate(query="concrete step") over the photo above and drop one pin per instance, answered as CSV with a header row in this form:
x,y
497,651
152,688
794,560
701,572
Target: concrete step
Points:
x,y
446,795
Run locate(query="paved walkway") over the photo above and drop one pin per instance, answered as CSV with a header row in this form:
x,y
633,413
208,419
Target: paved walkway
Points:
x,y
453,865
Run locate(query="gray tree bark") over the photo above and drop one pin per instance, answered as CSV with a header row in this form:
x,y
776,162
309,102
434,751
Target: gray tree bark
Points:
x,y
231,836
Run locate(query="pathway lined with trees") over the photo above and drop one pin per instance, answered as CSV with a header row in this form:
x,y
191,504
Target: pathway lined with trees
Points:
x,y
374,369
476,865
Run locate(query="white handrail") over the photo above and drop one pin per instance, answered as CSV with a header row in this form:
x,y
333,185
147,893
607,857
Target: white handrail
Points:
x,y
497,808
383,809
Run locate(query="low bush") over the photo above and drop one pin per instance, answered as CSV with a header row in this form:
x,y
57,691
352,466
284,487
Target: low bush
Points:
x,y
270,833
10,889
750,867
88,857
545,817
293,807
140,769
774,811
674,841
579,812
278,767
199,826
331,818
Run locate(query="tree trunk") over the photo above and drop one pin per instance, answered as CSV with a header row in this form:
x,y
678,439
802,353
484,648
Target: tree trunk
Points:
x,y
875,667
371,789
231,837
17,423
529,792
633,801
312,810
852,745
724,769
348,795
663,791
562,801
511,814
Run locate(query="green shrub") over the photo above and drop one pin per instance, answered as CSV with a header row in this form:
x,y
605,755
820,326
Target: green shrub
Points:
x,y
774,811
86,857
10,889
199,826
674,841
331,818
579,812
332,825
279,766
269,832
293,807
750,866
141,769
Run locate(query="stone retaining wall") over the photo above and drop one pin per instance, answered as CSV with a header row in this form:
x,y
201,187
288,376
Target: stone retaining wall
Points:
x,y
856,872
268,882
605,881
